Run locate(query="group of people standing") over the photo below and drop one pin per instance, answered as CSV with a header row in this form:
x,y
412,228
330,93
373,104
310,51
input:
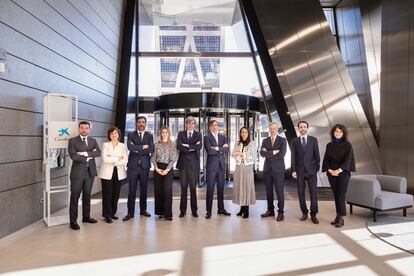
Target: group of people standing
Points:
x,y
338,162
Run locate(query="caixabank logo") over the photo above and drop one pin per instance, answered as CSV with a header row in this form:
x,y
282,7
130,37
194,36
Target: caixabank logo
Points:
x,y
63,134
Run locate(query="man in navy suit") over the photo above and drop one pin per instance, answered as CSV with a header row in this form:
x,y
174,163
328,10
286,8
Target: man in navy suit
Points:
x,y
216,147
305,165
273,149
140,144
189,143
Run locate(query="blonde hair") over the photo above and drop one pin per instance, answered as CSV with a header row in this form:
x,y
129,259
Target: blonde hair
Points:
x,y
169,141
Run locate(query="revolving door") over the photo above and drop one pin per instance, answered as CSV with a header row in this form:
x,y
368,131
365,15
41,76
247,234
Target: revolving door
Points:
x,y
231,111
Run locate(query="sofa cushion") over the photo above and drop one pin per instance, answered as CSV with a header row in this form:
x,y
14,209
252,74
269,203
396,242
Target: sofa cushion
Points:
x,y
390,200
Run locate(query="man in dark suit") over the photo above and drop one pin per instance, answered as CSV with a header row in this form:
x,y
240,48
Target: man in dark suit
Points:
x,y
140,144
82,150
216,147
189,142
273,149
305,165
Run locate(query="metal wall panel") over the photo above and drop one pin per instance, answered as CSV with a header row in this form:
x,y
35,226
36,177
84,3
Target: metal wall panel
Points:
x,y
397,79
313,78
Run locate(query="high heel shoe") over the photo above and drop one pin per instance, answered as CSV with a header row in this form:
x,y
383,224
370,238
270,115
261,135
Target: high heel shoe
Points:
x,y
246,212
335,221
240,213
340,223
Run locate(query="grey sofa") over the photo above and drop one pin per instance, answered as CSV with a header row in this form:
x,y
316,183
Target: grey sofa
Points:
x,y
379,193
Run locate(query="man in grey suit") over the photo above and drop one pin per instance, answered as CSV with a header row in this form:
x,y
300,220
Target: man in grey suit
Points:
x,y
305,164
273,149
82,150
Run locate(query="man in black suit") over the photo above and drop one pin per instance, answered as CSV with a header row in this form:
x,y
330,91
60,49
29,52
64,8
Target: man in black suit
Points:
x,y
82,150
273,149
216,147
140,144
305,165
189,142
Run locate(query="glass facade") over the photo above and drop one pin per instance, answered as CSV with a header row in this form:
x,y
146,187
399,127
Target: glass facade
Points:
x,y
176,51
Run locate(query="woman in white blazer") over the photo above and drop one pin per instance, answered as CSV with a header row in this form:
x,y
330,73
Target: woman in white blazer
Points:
x,y
112,171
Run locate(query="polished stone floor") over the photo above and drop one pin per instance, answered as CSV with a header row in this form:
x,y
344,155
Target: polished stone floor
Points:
x,y
196,246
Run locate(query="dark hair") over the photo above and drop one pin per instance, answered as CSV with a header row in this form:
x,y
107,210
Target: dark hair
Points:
x,y
112,129
341,127
245,143
142,117
212,122
303,122
84,123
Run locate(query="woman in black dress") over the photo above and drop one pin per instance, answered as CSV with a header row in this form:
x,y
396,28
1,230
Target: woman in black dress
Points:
x,y
339,162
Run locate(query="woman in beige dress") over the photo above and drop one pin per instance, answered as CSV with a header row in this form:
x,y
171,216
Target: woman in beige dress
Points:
x,y
243,187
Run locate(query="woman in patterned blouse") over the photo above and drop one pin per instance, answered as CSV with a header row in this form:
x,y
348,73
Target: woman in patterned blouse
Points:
x,y
163,159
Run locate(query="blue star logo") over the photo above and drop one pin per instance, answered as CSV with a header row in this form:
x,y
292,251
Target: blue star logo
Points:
x,y
63,131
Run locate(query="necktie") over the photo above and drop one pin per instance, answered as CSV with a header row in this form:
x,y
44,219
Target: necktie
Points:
x,y
189,135
140,136
273,141
303,143
84,141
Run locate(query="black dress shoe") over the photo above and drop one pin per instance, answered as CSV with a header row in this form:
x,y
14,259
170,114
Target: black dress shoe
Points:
x,y
194,214
168,219
128,217
145,214
314,220
224,212
108,220
304,217
74,226
280,217
182,214
89,220
114,217
208,216
268,214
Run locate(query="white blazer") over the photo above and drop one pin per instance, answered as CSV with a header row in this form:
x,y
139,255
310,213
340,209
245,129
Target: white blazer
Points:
x,y
110,157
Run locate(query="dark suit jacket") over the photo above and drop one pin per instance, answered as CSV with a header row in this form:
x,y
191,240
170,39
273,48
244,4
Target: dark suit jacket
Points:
x,y
274,163
189,157
80,162
309,159
137,153
215,159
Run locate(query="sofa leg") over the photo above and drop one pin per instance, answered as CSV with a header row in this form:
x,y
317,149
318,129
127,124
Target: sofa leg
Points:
x,y
405,212
350,209
374,213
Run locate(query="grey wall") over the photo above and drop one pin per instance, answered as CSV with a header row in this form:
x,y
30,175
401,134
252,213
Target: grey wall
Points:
x,y
53,46
313,77
397,89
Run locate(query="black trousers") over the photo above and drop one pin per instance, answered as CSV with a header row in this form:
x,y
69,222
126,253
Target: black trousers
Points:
x,y
339,185
110,195
312,181
276,180
78,185
163,192
134,175
213,177
189,177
